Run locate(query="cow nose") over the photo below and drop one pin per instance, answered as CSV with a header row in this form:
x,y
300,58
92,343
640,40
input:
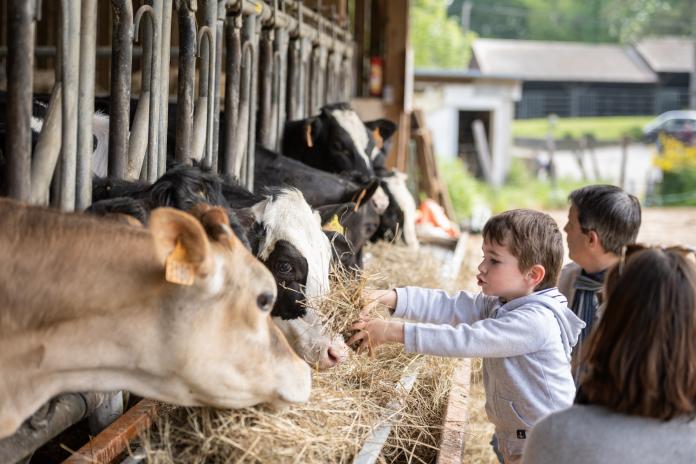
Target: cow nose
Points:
x,y
335,354
265,301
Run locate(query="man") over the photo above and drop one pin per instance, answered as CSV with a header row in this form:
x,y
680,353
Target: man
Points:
x,y
601,221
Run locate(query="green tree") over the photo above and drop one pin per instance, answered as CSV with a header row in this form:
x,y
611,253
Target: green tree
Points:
x,y
621,21
438,41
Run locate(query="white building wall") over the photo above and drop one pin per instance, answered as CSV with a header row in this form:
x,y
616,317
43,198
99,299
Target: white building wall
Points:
x,y
441,105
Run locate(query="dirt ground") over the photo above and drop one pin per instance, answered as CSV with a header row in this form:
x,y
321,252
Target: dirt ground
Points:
x,y
665,226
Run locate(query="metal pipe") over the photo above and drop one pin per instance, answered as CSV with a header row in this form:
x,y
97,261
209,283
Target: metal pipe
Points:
x,y
139,139
165,47
281,52
122,42
88,41
47,150
202,150
51,419
187,71
253,37
243,124
219,26
266,90
20,63
207,72
232,89
71,65
155,12
293,81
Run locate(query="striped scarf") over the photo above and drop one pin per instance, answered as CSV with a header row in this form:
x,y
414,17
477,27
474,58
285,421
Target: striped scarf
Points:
x,y
585,305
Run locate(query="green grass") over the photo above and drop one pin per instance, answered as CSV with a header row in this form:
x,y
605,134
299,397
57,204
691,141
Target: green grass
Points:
x,y
521,190
608,128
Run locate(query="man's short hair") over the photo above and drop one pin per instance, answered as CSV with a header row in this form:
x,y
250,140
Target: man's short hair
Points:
x,y
532,237
611,212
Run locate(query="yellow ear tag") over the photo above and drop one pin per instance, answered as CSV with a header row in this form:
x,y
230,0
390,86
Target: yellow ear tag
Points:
x,y
308,135
177,269
333,225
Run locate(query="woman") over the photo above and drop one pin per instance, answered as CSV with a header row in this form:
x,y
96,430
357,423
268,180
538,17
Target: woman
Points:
x,y
637,400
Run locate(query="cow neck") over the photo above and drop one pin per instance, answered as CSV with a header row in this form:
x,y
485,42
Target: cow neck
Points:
x,y
62,267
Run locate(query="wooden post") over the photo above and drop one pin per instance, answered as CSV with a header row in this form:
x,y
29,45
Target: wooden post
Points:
x,y
624,161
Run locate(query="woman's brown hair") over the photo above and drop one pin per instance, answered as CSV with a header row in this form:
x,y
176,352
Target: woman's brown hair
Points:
x,y
641,358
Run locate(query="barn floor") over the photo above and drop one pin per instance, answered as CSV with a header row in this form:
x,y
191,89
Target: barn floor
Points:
x,y
665,226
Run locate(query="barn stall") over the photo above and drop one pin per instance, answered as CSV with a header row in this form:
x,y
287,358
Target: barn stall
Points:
x,y
162,67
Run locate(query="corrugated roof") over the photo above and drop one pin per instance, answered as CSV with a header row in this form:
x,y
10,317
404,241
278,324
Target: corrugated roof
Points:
x,y
560,61
668,54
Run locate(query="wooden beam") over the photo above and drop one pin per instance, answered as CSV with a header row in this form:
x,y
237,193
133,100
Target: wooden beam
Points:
x,y
452,440
113,440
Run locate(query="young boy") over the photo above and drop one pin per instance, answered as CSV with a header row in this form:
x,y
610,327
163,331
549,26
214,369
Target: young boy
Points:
x,y
519,324
601,221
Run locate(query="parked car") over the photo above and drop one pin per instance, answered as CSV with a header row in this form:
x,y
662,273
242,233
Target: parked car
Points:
x,y
678,124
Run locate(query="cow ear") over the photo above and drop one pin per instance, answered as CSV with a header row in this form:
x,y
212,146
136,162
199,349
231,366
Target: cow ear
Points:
x,y
312,129
247,216
216,223
366,193
327,212
382,130
181,242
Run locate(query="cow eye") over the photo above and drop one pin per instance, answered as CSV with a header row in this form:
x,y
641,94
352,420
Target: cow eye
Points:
x,y
370,229
336,145
284,268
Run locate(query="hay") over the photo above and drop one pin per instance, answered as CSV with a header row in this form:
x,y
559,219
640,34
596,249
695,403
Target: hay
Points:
x,y
346,402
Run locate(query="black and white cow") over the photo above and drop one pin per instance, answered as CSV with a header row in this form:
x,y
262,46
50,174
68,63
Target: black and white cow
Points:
x,y
399,219
283,232
337,140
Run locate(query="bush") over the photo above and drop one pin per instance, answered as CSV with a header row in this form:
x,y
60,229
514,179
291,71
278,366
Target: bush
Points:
x,y
678,164
521,190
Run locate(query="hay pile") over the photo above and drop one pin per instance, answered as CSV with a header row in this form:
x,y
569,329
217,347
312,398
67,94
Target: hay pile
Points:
x,y
346,402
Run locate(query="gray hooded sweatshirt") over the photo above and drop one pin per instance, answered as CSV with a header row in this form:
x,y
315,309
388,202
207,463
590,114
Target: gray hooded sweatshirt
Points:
x,y
526,345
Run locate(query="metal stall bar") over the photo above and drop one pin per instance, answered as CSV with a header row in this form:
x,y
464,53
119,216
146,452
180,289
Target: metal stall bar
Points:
x,y
21,20
201,114
47,149
233,45
251,35
219,27
51,419
187,70
71,65
266,90
122,52
88,43
280,58
155,84
207,77
165,47
139,138
296,71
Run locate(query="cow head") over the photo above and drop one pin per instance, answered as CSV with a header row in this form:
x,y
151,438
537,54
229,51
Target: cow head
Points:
x,y
344,255
399,220
234,354
358,222
288,239
337,140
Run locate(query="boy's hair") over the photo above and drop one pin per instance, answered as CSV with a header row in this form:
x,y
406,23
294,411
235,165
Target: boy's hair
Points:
x,y
610,211
532,237
641,357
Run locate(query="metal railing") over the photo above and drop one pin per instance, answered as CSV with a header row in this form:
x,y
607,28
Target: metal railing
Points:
x,y
281,61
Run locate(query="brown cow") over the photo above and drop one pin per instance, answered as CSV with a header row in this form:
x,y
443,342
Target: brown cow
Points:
x,y
84,305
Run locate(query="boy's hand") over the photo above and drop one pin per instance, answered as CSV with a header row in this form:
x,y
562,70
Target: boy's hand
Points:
x,y
375,298
376,332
